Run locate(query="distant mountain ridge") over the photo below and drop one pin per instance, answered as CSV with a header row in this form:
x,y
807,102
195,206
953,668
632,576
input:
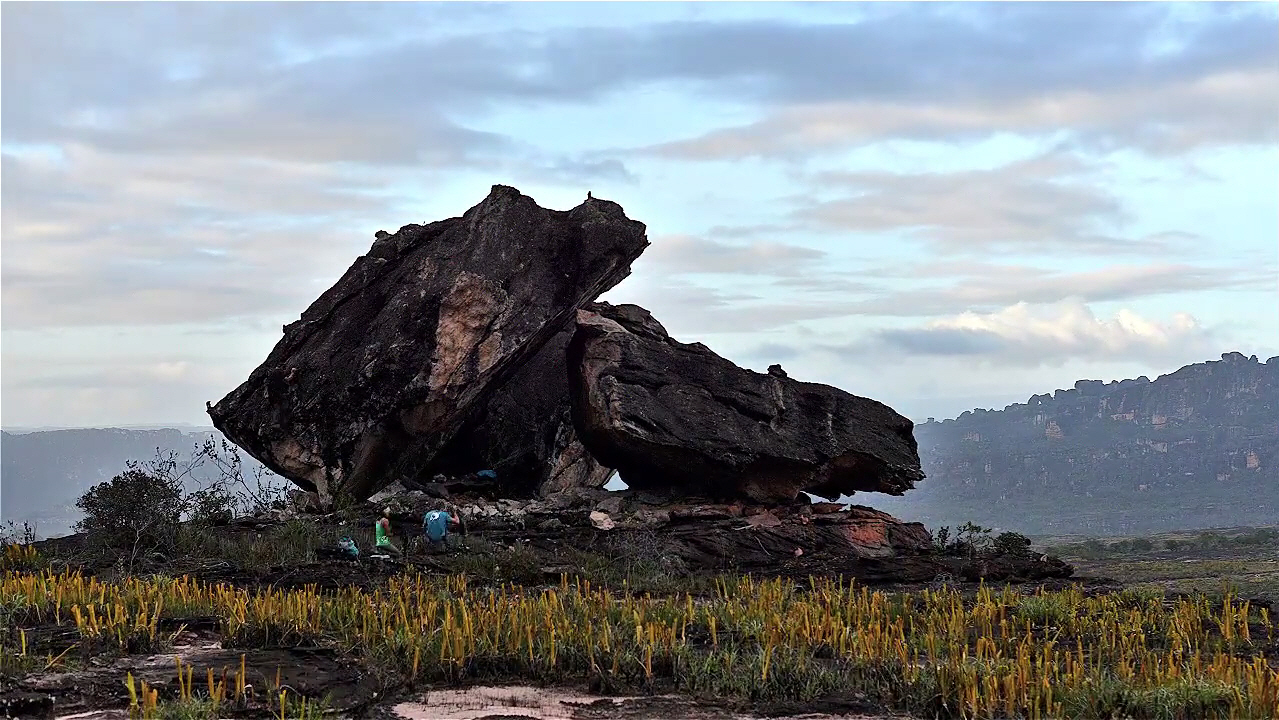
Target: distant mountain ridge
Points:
x,y
43,472
182,427
1198,447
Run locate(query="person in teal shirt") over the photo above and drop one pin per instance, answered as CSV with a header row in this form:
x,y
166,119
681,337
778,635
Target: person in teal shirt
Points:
x,y
435,526
382,535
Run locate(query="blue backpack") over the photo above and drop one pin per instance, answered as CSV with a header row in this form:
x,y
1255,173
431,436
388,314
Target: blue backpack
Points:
x,y
436,525
349,548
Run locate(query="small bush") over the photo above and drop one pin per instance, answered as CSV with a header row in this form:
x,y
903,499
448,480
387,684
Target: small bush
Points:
x,y
1141,545
142,510
1208,541
1092,549
974,534
972,540
941,539
1258,538
136,510
1011,543
235,493
12,534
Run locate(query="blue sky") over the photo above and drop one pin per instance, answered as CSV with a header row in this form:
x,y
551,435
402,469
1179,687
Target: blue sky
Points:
x,y
941,206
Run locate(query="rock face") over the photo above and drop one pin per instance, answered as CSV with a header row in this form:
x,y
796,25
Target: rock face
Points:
x,y
696,535
1198,447
678,419
525,434
387,366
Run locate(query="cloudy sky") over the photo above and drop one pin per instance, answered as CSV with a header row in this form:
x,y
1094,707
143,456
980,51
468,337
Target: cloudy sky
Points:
x,y
942,206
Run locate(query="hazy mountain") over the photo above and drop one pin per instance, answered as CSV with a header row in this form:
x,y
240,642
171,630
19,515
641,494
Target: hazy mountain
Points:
x,y
183,427
1195,448
42,473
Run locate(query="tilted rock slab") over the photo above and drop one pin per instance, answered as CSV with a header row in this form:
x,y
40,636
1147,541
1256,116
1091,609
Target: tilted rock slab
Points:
x,y
524,433
387,365
677,419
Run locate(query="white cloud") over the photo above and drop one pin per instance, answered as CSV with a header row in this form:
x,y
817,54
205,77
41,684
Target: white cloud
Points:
x,y
792,294
1041,203
98,238
1024,333
170,370
985,286
1226,108
691,254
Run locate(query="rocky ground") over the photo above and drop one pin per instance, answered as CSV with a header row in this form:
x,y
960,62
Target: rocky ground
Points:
x,y
584,531
796,539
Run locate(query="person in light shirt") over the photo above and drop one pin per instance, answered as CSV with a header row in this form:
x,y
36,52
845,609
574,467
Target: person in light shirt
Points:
x,y
435,526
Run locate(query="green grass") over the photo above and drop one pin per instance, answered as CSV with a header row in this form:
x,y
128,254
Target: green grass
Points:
x,y
1138,571
1111,697
203,708
1226,543
1044,610
1240,561
195,709
612,564
293,542
1256,579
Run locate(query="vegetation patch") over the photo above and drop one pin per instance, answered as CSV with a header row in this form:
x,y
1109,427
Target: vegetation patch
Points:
x,y
937,653
1242,562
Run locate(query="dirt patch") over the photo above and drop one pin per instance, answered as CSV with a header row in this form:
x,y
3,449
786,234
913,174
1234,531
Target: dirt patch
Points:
x,y
528,703
98,686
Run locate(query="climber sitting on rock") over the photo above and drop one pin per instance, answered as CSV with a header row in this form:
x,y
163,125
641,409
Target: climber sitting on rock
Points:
x,y
382,533
435,526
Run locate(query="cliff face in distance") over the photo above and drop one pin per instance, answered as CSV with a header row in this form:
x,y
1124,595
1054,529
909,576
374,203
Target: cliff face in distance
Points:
x,y
1198,447
44,472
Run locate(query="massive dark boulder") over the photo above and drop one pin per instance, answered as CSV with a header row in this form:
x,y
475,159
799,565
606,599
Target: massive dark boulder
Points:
x,y
677,419
525,434
387,365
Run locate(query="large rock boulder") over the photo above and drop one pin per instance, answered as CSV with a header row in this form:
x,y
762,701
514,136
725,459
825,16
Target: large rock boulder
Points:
x,y
388,365
677,419
525,434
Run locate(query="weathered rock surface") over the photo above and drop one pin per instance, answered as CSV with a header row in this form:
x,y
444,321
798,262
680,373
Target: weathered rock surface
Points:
x,y
525,433
677,419
387,366
698,535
